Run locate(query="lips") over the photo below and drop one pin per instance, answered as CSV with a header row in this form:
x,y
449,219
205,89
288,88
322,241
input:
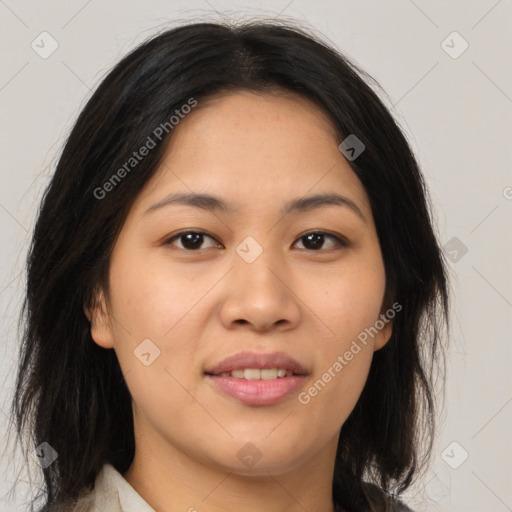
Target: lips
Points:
x,y
256,392
244,360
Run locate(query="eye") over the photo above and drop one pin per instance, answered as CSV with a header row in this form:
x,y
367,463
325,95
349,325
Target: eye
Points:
x,y
315,240
191,240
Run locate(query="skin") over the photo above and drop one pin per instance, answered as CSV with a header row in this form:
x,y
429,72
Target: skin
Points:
x,y
199,306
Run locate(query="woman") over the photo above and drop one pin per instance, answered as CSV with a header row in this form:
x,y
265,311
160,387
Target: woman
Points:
x,y
235,293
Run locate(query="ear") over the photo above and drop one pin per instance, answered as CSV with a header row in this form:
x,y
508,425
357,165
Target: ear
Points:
x,y
97,314
385,333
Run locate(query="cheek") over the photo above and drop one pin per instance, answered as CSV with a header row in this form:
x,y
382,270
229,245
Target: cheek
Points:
x,y
351,305
152,300
350,300
148,299
341,373
151,304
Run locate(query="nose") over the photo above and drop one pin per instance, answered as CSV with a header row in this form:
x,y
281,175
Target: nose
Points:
x,y
260,295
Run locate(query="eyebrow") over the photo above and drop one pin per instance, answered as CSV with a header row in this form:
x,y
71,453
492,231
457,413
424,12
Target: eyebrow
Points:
x,y
301,204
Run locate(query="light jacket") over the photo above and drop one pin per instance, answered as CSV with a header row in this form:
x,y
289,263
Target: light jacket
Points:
x,y
111,493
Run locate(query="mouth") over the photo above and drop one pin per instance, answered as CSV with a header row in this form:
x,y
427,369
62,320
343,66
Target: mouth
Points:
x,y
255,365
257,379
257,373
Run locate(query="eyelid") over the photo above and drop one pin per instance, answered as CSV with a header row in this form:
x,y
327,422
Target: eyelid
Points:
x,y
339,239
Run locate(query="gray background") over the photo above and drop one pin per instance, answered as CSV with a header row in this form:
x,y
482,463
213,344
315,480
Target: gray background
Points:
x,y
456,113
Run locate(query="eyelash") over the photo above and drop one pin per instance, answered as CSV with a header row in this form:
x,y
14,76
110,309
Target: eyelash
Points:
x,y
340,241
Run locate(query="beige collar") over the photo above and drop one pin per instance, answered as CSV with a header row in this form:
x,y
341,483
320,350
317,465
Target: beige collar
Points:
x,y
113,493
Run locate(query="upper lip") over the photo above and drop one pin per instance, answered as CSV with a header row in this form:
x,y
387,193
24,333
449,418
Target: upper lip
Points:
x,y
257,360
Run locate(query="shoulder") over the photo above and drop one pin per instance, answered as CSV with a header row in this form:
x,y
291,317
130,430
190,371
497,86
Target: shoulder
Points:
x,y
103,495
112,493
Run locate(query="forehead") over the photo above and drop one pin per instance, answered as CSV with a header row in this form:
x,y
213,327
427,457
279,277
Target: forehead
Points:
x,y
254,148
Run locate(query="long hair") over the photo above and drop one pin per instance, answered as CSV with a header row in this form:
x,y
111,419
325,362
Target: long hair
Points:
x,y
71,394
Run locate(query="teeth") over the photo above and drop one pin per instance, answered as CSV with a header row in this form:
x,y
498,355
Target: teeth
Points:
x,y
256,373
268,374
252,374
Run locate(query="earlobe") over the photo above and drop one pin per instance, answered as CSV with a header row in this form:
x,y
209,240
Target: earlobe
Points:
x,y
97,314
384,335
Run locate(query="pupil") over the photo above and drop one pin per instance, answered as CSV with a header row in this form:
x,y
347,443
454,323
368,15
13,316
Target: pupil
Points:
x,y
316,238
194,238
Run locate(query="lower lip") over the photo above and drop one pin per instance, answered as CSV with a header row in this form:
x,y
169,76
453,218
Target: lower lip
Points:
x,y
258,392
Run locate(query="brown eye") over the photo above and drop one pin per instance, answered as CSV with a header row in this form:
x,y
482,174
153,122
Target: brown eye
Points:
x,y
314,241
190,240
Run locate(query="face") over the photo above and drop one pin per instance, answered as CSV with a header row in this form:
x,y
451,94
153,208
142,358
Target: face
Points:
x,y
251,277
